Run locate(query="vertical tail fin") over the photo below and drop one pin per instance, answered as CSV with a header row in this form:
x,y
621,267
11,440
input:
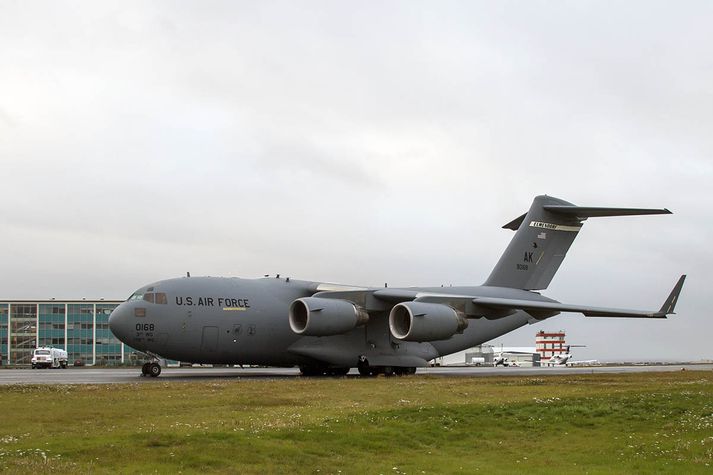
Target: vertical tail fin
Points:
x,y
542,238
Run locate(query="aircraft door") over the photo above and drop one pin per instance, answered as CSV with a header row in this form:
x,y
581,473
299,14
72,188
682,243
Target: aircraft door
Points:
x,y
209,341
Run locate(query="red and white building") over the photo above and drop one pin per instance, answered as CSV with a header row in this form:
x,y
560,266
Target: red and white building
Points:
x,y
549,344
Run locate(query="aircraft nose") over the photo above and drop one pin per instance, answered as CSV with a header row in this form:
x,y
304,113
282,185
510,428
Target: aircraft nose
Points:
x,y
119,322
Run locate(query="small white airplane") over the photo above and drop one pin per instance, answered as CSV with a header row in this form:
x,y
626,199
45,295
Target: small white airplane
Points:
x,y
499,359
565,359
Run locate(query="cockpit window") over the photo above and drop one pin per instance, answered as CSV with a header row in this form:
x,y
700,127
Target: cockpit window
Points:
x,y
138,295
148,295
156,297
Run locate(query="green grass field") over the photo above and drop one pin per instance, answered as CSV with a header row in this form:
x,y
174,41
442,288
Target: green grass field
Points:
x,y
635,423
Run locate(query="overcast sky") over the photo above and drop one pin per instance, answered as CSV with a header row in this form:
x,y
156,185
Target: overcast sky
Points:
x,y
361,143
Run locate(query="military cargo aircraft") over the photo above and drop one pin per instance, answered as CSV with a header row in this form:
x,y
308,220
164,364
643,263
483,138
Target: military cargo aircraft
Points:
x,y
326,329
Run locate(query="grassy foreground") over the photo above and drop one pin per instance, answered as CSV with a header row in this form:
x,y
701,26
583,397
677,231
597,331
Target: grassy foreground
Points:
x,y
636,423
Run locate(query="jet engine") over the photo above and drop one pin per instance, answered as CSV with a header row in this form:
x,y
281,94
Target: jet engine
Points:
x,y
419,321
314,316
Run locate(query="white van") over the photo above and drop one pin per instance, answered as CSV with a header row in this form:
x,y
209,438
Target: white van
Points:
x,y
45,357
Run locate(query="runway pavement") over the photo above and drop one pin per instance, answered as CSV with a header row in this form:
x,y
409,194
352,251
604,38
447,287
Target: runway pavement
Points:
x,y
132,375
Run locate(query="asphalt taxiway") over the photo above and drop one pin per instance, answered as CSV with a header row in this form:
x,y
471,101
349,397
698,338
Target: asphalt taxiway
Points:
x,y
132,375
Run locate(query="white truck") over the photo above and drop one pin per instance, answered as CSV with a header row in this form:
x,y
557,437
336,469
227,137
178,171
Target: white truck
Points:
x,y
477,361
46,357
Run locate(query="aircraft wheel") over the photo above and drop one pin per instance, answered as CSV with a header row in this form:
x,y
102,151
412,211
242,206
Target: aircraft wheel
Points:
x,y
388,371
145,369
404,370
311,371
154,369
366,370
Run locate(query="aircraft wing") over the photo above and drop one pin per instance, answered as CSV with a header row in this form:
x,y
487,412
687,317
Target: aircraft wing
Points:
x,y
583,362
535,307
496,307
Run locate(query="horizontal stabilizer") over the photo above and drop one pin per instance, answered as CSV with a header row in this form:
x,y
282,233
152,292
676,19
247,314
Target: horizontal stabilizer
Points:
x,y
584,212
581,213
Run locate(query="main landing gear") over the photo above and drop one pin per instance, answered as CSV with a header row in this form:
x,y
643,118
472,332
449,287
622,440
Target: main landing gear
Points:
x,y
152,369
365,369
322,371
386,370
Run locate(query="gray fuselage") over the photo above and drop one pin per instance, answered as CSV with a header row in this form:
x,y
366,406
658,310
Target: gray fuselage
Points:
x,y
245,321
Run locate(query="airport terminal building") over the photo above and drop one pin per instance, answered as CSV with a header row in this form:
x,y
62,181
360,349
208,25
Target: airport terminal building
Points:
x,y
81,327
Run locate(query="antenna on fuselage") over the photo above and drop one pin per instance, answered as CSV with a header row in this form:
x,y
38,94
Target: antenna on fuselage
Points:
x,y
188,274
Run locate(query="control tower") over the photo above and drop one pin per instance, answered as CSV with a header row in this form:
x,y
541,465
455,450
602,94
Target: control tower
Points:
x,y
549,344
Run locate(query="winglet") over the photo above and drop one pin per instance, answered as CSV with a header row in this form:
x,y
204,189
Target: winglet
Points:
x,y
670,303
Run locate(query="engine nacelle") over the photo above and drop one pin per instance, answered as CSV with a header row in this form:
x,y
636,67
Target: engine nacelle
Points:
x,y
420,321
314,316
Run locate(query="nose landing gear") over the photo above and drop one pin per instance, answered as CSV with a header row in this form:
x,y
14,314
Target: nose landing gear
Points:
x,y
152,369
